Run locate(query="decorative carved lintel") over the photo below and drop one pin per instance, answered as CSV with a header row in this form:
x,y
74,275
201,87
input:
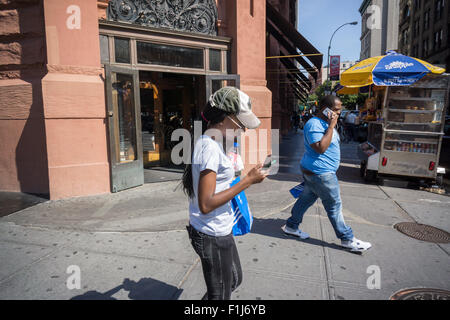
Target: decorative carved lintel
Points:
x,y
198,16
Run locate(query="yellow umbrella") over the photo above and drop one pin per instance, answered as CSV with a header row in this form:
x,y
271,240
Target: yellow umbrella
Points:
x,y
392,69
353,89
348,90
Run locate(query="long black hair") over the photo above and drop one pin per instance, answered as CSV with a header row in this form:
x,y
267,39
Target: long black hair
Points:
x,y
210,116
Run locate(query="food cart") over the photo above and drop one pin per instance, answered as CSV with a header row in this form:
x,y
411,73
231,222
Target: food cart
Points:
x,y
406,140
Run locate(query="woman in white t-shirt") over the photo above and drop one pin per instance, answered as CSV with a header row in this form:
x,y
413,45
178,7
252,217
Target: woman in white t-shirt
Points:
x,y
207,183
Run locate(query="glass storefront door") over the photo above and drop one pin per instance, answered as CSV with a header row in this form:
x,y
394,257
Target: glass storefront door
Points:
x,y
155,83
215,82
124,123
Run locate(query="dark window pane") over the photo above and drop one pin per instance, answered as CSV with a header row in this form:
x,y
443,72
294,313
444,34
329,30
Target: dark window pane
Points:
x,y
104,49
165,55
215,60
217,84
122,48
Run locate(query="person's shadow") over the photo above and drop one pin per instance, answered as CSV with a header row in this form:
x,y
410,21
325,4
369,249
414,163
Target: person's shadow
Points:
x,y
272,228
144,289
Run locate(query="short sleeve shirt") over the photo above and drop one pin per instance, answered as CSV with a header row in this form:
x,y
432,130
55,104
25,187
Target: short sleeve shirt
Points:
x,y
317,163
209,155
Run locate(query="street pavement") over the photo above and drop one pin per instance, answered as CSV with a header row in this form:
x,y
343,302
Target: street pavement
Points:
x,y
133,244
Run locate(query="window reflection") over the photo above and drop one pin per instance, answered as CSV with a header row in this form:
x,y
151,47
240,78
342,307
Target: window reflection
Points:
x,y
148,115
151,53
123,98
215,60
104,49
122,48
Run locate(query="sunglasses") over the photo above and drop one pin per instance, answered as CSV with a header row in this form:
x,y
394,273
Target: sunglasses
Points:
x,y
240,127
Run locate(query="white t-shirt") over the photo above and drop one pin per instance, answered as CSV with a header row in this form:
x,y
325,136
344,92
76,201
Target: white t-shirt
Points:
x,y
208,154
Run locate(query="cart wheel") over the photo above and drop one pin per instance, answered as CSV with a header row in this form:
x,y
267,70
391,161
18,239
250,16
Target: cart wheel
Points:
x,y
367,175
370,176
440,180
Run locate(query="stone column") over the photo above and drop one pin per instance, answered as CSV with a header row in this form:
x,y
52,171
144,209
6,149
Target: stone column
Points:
x,y
247,26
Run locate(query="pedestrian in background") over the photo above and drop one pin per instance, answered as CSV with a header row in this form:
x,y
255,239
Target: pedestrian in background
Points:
x,y
350,127
295,121
207,183
319,165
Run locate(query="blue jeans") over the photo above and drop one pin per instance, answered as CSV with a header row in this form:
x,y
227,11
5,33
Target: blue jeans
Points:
x,y
325,187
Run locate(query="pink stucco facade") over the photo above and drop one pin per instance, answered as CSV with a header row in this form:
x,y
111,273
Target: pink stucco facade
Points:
x,y
53,128
53,131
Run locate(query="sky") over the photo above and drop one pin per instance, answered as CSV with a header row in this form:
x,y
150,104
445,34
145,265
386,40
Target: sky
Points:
x,y
318,19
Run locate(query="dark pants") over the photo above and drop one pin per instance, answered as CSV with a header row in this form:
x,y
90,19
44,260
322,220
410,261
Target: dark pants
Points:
x,y
220,263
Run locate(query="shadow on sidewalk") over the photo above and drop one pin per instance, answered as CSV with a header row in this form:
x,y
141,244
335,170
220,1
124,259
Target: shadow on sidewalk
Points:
x,y
272,228
349,174
11,202
344,174
282,176
144,289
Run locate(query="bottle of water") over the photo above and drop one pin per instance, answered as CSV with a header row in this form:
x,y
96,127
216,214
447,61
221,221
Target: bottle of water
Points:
x,y
236,159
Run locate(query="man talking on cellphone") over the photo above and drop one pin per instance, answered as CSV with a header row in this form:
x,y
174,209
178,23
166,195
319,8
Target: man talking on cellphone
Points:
x,y
319,165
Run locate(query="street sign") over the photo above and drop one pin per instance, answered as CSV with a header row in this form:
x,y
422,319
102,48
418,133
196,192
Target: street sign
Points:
x,y
335,68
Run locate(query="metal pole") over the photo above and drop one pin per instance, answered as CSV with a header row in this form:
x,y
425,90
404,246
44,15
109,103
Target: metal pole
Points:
x,y
329,48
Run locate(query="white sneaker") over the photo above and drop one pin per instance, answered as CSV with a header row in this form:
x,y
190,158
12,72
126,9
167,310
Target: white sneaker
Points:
x,y
356,245
296,233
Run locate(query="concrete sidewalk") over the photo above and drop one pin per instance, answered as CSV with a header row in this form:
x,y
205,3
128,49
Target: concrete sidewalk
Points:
x,y
133,244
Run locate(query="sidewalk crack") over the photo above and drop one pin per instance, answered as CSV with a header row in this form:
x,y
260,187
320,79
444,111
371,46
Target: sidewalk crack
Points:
x,y
326,258
188,273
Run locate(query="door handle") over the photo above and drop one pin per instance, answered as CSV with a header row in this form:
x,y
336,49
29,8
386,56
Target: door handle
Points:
x,y
110,113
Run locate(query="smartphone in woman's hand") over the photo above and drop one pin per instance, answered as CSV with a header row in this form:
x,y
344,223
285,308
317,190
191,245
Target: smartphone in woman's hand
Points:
x,y
268,163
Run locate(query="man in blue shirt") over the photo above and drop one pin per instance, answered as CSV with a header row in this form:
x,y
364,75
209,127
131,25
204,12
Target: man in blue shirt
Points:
x,y
319,165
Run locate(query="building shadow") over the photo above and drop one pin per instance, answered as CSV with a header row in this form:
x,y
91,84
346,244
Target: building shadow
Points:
x,y
31,150
144,289
345,173
31,160
349,174
11,202
282,176
163,174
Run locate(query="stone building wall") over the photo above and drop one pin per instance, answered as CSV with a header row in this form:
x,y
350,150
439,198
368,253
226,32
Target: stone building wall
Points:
x,y
23,156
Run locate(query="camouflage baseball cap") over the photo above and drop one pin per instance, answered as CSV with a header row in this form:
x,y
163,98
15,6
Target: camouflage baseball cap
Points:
x,y
233,100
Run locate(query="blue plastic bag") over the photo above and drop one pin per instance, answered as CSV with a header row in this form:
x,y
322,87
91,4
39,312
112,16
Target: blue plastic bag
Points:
x,y
297,190
243,218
